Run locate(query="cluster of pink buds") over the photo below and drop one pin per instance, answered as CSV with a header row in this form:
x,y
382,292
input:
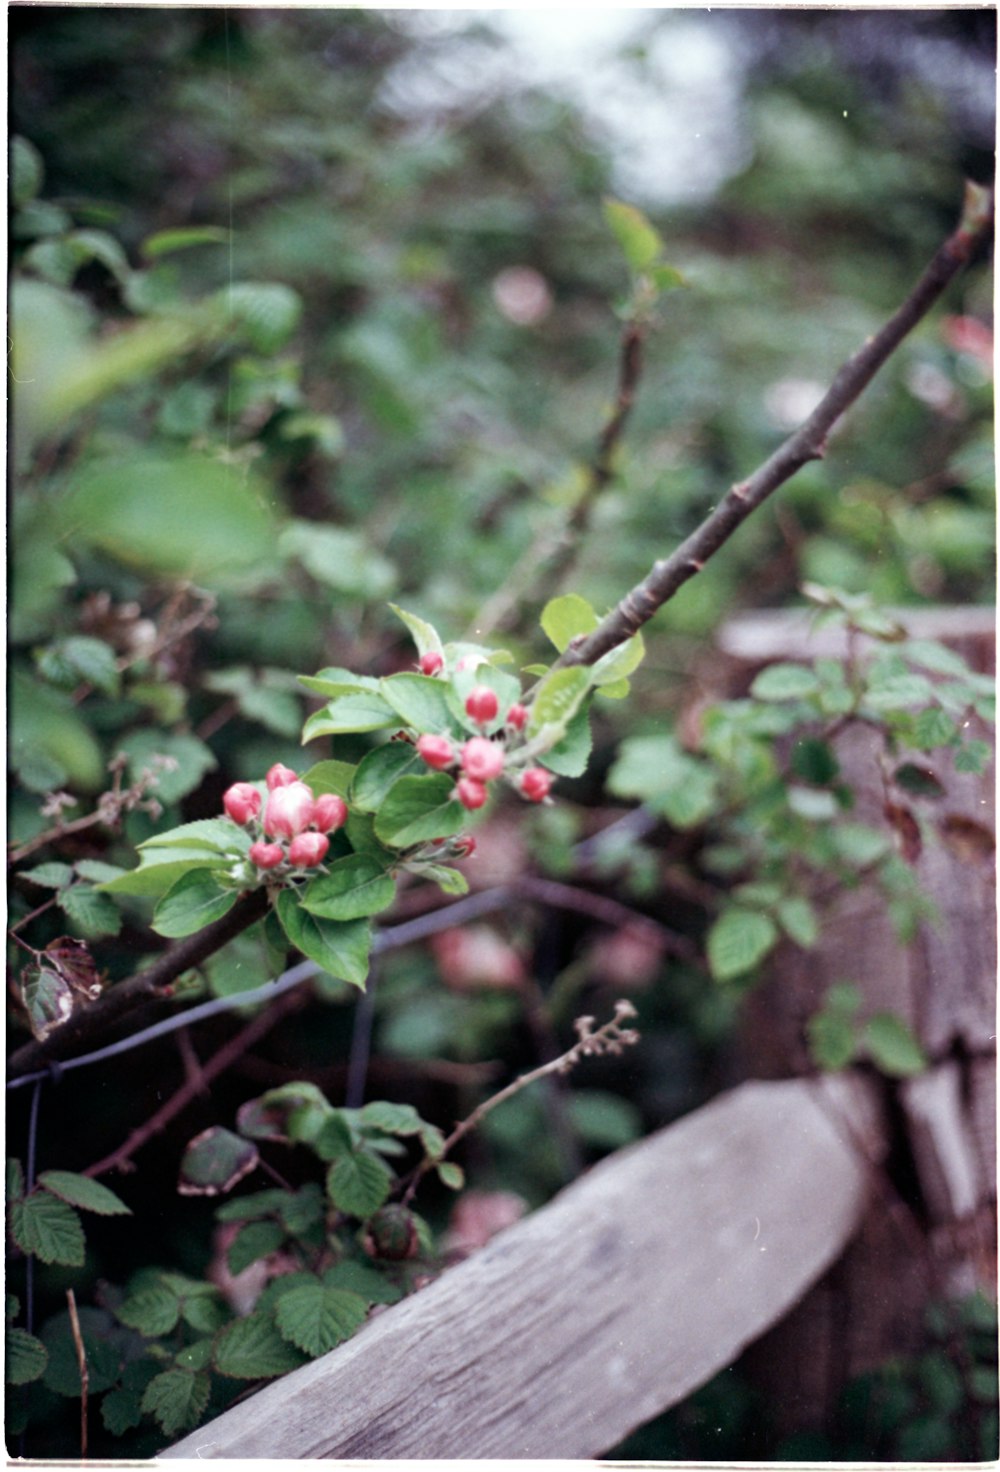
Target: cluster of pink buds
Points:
x,y
482,759
294,824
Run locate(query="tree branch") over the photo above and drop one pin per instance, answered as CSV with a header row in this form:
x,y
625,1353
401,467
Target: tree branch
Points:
x,y
808,442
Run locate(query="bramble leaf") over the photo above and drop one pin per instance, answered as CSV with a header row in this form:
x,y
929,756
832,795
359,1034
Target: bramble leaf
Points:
x,y
177,1399
214,1161
358,1183
738,941
25,1357
316,1318
48,1229
81,1191
253,1349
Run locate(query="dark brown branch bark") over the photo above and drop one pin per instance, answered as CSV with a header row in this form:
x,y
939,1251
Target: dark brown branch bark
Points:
x,y
808,442
153,984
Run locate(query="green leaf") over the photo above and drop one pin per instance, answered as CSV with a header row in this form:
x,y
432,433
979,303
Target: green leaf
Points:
x,y
358,1183
26,171
166,242
559,696
424,635
254,1240
330,776
450,1175
614,667
859,845
603,1120
351,889
25,1357
334,1137
571,753
333,682
919,780
683,788
365,711
267,312
188,760
814,761
797,918
316,1318
566,617
420,701
364,1280
49,876
103,1355
80,659
391,1119
180,515
379,770
785,682
973,757
892,1047
340,947
935,657
48,1229
152,1310
214,1161
418,809
192,903
48,999
898,692
252,1207
738,941
93,914
339,558
293,1112
177,1399
640,242
933,728
253,1349
451,881
14,1187
81,1191
832,1040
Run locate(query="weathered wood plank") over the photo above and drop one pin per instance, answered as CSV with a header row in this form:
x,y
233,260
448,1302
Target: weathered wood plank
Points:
x,y
632,1288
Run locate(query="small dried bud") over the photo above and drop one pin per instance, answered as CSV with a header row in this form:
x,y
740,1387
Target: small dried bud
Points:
x,y
391,1234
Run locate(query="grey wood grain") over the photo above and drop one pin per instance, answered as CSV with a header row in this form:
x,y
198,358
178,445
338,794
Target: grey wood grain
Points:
x,y
629,1290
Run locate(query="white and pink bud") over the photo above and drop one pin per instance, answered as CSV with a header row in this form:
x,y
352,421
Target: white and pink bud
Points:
x,y
289,810
242,802
280,776
470,793
437,751
431,663
329,812
517,716
482,759
535,784
307,849
266,855
482,704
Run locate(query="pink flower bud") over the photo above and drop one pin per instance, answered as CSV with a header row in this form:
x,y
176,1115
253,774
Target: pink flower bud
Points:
x,y
470,793
308,848
464,846
431,662
437,751
266,855
482,759
535,784
482,704
289,810
280,776
329,812
241,802
517,717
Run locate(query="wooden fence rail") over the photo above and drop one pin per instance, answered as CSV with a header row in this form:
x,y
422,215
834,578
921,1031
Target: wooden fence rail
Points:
x,y
618,1299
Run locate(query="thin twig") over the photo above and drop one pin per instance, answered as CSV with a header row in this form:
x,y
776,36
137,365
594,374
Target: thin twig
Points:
x,y
808,443
81,1359
611,1037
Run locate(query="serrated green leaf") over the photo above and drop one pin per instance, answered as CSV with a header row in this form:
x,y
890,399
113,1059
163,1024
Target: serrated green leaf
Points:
x,y
798,920
48,999
390,1119
640,242
341,947
333,682
253,1349
418,809
193,902
738,941
892,1047
366,711
92,913
973,757
933,728
214,1161
420,701
330,776
566,617
81,1191
177,1399
358,1183
48,1229
97,871
366,1281
253,1240
614,667
152,1310
14,1180
450,881
190,760
267,311
571,753
25,1357
785,682
121,1410
103,1354
423,634
78,660
252,1207
559,696
898,692
379,770
334,1137
49,876
352,888
316,1318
